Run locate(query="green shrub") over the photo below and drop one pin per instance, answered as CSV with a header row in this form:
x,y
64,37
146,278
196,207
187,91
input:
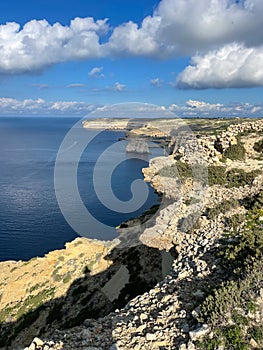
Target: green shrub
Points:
x,y
235,221
258,146
56,276
249,242
238,177
221,208
67,278
180,169
255,202
256,332
235,152
32,302
216,175
235,338
210,344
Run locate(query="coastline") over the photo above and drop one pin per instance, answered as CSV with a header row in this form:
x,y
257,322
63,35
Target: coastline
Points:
x,y
195,265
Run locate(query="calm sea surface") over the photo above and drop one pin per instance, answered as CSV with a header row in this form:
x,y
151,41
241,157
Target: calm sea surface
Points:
x,y
31,223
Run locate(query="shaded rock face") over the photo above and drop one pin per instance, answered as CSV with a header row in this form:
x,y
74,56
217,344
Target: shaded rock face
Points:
x,y
127,273
137,146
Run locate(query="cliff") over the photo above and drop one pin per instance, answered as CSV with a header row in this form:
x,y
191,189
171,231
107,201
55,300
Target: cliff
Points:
x,y
210,222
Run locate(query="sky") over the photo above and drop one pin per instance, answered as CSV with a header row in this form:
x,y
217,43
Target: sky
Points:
x,y
196,58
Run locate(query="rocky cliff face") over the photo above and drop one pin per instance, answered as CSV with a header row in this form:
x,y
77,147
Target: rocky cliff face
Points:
x,y
212,297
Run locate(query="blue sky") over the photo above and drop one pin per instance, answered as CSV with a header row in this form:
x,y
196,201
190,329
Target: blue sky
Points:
x,y
200,58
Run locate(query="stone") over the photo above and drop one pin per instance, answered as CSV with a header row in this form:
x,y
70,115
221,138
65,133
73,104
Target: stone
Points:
x,y
150,337
253,343
200,332
190,346
141,328
114,347
143,317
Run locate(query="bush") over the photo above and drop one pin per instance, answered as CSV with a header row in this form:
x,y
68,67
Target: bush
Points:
x,y
226,307
256,332
258,146
234,221
252,203
216,175
249,242
180,169
238,177
221,208
234,338
183,170
235,152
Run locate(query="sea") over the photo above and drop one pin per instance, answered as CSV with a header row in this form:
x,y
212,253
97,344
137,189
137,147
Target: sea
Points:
x,y
31,216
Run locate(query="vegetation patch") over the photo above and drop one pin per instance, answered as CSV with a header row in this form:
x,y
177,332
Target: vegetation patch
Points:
x,y
258,146
230,308
34,301
238,177
221,208
235,152
216,175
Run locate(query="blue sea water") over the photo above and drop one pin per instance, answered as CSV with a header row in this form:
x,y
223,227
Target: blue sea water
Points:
x,y
31,222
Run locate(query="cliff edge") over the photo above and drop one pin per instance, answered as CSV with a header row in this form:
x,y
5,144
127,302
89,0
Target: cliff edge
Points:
x,y
210,223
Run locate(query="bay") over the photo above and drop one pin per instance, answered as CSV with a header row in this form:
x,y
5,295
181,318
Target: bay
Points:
x,y
31,222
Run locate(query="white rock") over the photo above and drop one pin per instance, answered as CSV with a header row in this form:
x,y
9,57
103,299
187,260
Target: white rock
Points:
x,y
32,347
143,317
190,346
150,336
200,332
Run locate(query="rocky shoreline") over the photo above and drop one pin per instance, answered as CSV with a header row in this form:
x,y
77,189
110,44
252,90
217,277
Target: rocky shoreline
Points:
x,y
193,218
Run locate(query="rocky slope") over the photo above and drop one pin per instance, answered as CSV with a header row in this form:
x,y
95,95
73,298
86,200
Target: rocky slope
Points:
x,y
210,220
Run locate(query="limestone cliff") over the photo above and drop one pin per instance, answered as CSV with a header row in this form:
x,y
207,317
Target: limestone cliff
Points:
x,y
212,226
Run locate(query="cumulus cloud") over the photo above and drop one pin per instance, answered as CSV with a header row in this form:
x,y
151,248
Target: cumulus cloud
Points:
x,y
130,39
192,108
96,72
156,82
202,109
232,66
39,44
223,36
177,27
180,27
119,87
10,106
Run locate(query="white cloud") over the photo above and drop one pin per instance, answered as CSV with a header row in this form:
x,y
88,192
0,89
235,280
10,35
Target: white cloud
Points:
x,y
41,86
192,108
39,44
10,106
231,66
180,27
203,105
175,29
129,39
156,82
201,109
119,87
96,72
76,85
